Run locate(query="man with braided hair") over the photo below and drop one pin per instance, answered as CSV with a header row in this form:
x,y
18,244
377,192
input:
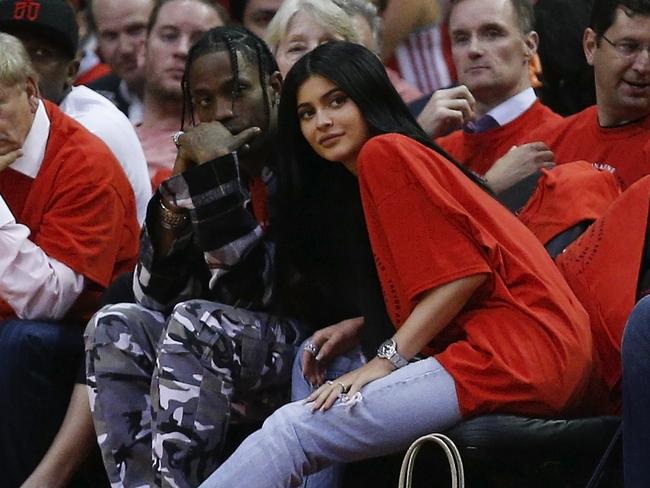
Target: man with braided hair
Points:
x,y
203,284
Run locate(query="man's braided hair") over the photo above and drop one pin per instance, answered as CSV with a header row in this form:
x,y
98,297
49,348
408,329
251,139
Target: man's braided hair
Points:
x,y
233,39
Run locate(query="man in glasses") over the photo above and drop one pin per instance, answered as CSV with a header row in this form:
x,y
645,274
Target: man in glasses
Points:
x,y
614,134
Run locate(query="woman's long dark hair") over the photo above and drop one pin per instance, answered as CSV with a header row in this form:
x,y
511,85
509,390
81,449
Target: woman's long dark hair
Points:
x,y
359,73
325,262
326,271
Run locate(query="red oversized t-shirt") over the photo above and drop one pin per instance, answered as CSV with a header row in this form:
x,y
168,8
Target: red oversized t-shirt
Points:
x,y
522,344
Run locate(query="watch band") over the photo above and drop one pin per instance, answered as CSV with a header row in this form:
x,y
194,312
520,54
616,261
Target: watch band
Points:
x,y
172,219
388,350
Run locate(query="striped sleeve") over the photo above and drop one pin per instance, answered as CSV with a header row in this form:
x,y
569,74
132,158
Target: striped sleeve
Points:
x,y
223,255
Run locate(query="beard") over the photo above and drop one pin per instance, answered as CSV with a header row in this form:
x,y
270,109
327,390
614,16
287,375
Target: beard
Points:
x,y
164,91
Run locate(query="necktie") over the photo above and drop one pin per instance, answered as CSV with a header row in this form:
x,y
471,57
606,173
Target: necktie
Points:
x,y
486,122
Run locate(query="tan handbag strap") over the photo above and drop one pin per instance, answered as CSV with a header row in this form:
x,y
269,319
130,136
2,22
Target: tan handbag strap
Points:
x,y
450,450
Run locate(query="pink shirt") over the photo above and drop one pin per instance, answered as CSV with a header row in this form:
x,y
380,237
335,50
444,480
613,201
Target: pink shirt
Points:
x,y
159,150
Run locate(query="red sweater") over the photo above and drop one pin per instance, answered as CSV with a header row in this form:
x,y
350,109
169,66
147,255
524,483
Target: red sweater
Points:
x,y
480,151
579,137
80,208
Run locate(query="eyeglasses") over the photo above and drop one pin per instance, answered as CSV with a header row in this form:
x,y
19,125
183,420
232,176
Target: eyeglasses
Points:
x,y
628,49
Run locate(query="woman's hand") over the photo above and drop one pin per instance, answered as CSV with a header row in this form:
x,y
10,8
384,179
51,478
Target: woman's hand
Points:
x,y
433,312
330,342
349,384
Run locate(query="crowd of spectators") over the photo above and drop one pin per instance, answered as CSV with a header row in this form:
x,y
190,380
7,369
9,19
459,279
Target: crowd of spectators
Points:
x,y
180,252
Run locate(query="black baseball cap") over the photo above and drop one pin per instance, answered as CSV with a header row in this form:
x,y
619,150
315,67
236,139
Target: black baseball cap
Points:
x,y
54,19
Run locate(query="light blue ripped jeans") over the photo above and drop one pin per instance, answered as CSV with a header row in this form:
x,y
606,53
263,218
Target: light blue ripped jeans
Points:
x,y
294,442
329,477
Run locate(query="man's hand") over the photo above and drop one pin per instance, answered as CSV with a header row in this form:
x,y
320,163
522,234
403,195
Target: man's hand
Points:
x,y
9,158
447,110
517,164
331,342
208,141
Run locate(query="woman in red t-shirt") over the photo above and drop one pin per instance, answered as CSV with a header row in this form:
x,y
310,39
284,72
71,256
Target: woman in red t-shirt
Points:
x,y
464,283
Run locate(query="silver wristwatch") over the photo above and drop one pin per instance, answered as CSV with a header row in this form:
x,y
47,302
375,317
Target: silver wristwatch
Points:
x,y
388,350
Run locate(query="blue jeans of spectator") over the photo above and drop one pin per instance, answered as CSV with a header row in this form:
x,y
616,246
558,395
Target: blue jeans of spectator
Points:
x,y
636,397
38,365
329,477
388,415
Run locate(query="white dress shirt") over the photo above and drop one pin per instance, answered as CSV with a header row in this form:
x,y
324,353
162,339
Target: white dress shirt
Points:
x,y
513,107
34,284
102,118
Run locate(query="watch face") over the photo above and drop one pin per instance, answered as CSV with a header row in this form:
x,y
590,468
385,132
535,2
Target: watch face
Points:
x,y
387,349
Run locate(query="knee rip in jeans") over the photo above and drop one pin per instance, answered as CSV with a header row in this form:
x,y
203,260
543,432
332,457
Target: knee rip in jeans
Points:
x,y
350,401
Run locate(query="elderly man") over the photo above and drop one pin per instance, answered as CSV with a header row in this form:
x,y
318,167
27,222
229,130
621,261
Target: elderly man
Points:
x,y
492,46
614,133
121,32
51,39
174,25
67,227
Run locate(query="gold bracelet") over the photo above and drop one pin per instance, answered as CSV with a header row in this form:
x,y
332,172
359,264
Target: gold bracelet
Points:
x,y
170,219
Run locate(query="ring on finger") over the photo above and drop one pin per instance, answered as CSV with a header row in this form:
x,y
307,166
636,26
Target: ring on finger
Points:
x,y
311,348
344,389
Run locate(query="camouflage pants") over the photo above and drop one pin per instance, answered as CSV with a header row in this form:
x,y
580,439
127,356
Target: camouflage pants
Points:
x,y
163,391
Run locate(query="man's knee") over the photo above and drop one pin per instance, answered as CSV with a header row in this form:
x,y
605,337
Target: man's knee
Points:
x,y
194,316
205,329
219,327
251,348
122,330
123,324
27,340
